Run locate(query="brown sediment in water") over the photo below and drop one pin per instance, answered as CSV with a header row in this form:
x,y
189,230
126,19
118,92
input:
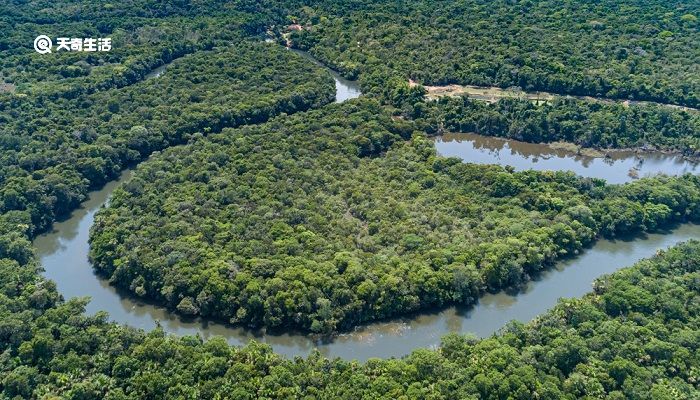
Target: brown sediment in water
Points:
x,y
574,149
64,251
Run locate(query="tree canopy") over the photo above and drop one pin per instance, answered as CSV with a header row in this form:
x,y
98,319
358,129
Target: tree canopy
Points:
x,y
327,219
634,337
644,50
263,205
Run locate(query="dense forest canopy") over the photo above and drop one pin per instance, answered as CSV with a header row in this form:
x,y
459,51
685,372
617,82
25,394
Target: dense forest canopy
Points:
x,y
331,218
635,337
328,218
632,49
621,50
143,37
586,123
53,151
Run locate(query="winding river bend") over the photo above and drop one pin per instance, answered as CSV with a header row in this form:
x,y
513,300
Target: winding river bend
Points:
x,y
344,89
64,255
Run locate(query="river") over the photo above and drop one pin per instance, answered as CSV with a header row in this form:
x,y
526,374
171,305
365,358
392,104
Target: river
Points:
x,y
63,253
619,167
157,72
64,256
344,89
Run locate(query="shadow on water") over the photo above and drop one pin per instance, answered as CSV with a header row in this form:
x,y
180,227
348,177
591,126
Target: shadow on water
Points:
x,y
618,167
64,255
344,89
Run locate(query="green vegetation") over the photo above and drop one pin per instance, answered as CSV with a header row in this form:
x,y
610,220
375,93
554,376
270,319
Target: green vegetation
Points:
x,y
633,50
145,34
636,337
645,50
53,151
343,215
589,124
327,219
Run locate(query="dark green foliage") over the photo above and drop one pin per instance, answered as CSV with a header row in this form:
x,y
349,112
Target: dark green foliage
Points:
x,y
587,123
637,49
57,150
145,34
342,215
327,219
635,337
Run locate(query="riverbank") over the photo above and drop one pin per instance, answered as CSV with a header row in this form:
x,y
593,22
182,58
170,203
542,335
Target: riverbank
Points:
x,y
613,153
584,128
155,316
616,166
64,256
492,94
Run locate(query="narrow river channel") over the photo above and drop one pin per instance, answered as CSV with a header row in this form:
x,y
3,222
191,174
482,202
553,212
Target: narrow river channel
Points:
x,y
344,89
64,255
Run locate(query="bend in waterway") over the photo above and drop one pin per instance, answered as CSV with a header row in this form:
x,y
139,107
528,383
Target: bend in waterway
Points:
x,y
344,89
64,255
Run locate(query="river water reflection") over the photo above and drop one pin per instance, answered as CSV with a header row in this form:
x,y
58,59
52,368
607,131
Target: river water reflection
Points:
x,y
344,89
157,72
619,167
64,255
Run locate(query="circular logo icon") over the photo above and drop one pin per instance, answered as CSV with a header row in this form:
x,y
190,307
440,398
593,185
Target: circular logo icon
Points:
x,y
43,44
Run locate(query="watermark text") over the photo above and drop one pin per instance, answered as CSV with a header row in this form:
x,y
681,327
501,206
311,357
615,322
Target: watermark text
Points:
x,y
44,45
